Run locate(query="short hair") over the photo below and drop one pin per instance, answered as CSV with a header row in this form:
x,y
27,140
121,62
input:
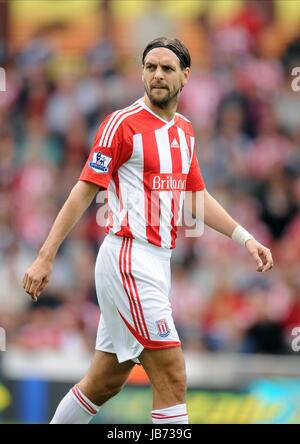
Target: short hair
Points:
x,y
175,45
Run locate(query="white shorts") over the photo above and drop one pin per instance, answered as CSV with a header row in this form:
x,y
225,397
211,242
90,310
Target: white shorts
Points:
x,y
133,284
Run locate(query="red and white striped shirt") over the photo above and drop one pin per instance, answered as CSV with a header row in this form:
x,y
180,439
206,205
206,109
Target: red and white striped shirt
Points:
x,y
146,164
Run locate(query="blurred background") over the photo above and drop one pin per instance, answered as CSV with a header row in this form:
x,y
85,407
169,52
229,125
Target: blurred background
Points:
x,y
68,64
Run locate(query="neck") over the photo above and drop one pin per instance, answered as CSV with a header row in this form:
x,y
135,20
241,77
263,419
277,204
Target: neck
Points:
x,y
165,113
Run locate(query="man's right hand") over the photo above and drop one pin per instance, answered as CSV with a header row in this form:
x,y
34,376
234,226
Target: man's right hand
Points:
x,y
37,277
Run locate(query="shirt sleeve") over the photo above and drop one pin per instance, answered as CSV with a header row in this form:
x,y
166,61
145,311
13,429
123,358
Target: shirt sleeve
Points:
x,y
195,181
104,159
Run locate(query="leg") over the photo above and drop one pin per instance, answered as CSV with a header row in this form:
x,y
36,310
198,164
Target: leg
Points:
x,y
166,371
139,290
104,379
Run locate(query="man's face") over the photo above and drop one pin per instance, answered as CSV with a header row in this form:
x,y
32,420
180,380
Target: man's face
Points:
x,y
163,77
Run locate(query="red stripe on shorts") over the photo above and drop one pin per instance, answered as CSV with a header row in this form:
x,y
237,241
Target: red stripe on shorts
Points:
x,y
121,267
150,343
127,277
136,290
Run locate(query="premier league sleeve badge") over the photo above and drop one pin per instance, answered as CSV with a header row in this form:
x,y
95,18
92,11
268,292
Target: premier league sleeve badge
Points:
x,y
100,162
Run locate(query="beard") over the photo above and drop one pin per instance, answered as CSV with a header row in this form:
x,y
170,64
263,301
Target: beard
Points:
x,y
165,100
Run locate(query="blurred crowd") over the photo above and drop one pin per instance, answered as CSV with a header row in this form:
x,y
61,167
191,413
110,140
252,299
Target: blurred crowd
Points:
x,y
247,121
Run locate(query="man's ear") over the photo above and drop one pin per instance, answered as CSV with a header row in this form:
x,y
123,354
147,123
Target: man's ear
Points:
x,y
186,75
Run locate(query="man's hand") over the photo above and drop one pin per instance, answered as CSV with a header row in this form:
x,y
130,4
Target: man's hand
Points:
x,y
37,277
262,255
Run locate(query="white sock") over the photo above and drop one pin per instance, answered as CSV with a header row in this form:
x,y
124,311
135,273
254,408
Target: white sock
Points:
x,y
74,408
177,414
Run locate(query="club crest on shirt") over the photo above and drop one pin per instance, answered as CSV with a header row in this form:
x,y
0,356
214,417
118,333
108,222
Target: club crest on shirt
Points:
x,y
100,162
162,328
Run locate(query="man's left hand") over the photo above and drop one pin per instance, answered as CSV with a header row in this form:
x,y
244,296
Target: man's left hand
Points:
x,y
261,254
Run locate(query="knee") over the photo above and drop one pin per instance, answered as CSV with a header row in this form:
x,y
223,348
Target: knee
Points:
x,y
177,379
173,383
107,389
171,390
112,389
99,392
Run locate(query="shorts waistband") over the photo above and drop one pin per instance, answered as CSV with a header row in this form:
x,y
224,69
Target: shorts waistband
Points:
x,y
138,243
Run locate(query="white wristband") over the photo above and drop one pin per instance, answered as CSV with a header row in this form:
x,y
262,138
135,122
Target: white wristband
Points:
x,y
240,235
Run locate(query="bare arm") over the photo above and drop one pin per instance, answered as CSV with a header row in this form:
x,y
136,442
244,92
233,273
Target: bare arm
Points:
x,y
38,274
216,217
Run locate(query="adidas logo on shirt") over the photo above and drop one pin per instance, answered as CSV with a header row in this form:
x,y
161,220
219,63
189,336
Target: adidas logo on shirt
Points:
x,y
174,144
